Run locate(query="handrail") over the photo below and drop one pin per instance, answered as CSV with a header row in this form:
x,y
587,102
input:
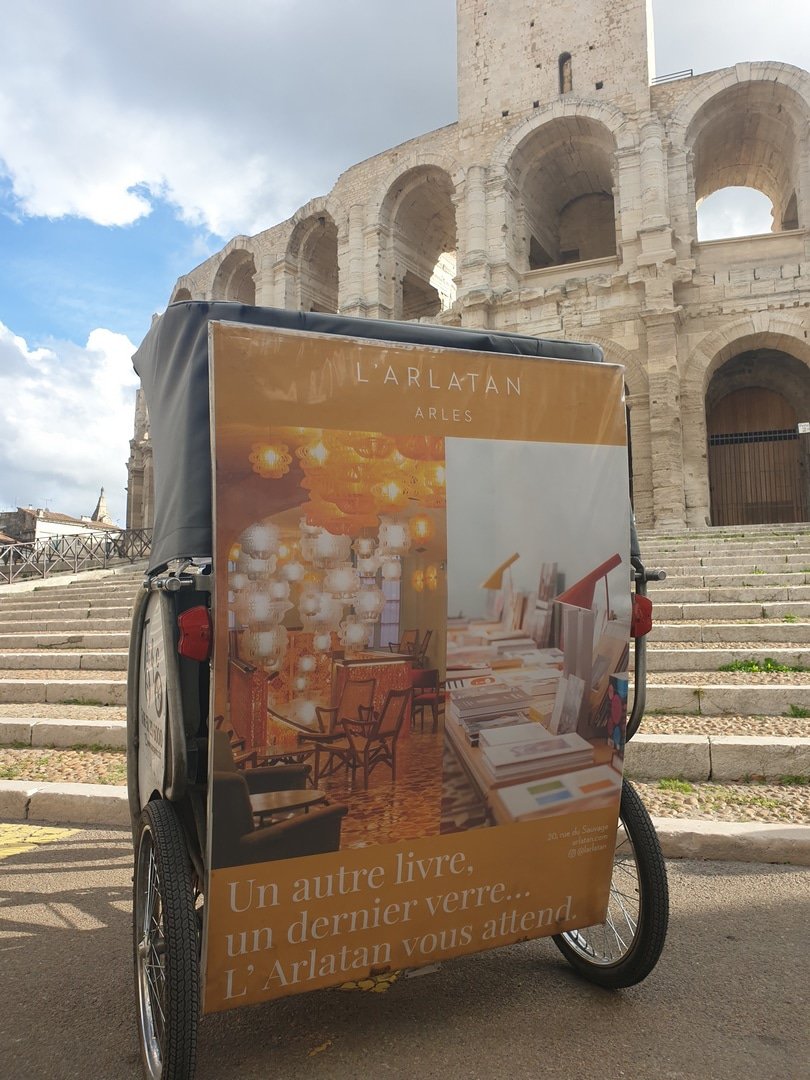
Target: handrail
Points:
x,y
71,553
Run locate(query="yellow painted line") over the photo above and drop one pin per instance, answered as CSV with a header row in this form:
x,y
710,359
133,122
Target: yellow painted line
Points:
x,y
17,839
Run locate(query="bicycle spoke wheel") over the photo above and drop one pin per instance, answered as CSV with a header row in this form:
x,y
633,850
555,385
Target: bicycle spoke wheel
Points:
x,y
166,945
625,948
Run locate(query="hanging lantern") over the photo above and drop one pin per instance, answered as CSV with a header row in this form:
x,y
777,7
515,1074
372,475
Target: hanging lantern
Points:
x,y
300,683
372,446
421,528
322,642
237,580
303,712
432,577
307,663
331,550
421,447
418,580
313,455
234,552
259,569
392,570
353,633
390,495
341,582
270,460
309,604
394,537
293,571
260,540
268,646
364,546
368,567
368,603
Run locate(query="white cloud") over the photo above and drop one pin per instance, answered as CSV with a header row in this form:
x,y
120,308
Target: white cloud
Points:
x,y
66,413
235,119
239,119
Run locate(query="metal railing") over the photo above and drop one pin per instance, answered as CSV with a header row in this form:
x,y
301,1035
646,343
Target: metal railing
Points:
x,y
71,553
687,73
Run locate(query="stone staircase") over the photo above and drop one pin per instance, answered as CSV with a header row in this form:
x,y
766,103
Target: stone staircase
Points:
x,y
730,596
63,650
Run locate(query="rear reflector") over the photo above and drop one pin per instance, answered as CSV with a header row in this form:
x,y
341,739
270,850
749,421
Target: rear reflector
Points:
x,y
195,633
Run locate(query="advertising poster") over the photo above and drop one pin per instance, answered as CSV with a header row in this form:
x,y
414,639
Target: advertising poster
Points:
x,y
422,612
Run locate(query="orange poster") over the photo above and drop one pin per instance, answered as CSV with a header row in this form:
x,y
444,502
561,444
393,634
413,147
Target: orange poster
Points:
x,y
422,612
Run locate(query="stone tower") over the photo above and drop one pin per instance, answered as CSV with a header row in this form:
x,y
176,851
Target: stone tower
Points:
x,y
514,57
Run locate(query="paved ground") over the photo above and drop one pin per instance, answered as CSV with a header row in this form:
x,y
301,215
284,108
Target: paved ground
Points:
x,y
729,999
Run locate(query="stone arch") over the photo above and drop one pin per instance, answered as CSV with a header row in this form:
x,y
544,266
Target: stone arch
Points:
x,y
559,171
419,242
312,255
180,294
761,334
744,127
235,278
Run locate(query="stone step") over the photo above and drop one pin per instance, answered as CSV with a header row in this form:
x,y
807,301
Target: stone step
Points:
x,y
65,625
699,612
90,640
711,659
721,633
78,660
716,699
27,712
24,602
748,563
45,614
739,580
661,593
52,690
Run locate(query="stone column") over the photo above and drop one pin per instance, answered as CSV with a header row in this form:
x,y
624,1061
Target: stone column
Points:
x,y
351,249
653,178
473,266
666,438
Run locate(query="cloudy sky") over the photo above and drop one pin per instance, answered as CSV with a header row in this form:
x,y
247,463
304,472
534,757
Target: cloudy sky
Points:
x,y
136,139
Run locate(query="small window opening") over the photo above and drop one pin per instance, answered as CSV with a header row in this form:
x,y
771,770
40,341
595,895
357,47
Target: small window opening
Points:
x,y
566,76
535,104
505,112
599,85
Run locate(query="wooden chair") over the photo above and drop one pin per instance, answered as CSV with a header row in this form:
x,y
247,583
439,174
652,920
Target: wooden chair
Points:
x,y
420,653
331,741
426,695
406,644
373,738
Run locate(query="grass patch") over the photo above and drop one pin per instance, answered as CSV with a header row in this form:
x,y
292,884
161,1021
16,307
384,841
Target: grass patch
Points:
x,y
794,781
758,667
682,786
798,712
790,617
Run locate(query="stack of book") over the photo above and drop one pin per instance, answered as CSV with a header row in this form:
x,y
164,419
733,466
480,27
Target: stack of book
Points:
x,y
470,706
582,790
528,751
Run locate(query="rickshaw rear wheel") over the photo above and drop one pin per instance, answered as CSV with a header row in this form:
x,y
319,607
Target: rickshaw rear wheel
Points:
x,y
625,948
166,946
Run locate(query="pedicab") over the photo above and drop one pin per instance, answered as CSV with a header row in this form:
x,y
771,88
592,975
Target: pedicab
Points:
x,y
378,672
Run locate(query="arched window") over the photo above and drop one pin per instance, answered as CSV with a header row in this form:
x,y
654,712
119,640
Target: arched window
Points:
x,y
566,76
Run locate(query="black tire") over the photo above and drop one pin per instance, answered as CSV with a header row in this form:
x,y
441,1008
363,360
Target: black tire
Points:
x,y
166,947
625,948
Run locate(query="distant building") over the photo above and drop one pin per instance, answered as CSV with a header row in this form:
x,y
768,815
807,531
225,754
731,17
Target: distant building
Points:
x,y
27,524
563,203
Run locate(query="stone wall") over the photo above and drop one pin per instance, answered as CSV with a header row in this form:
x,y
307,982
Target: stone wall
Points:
x,y
568,214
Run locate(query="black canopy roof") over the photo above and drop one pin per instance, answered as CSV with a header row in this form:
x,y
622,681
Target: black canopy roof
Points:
x,y
172,363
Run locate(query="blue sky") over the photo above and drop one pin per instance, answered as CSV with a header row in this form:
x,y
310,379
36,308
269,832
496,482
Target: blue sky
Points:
x,y
136,140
